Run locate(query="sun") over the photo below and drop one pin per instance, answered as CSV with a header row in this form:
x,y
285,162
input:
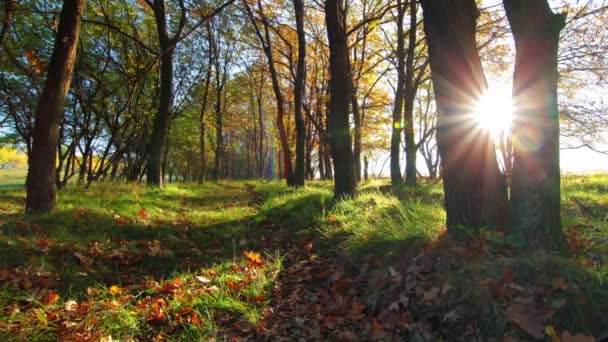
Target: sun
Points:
x,y
494,111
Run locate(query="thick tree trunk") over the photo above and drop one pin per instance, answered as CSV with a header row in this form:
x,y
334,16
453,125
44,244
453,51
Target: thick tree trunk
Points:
x,y
165,105
409,97
340,96
300,171
475,191
41,173
535,182
397,128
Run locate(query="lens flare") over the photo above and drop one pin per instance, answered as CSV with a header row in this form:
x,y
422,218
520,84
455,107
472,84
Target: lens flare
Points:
x,y
494,111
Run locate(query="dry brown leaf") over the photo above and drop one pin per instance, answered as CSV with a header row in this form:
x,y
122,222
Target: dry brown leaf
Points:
x,y
528,318
84,260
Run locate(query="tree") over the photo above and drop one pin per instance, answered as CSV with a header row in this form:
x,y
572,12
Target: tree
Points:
x,y
397,127
165,105
409,93
474,188
300,171
339,99
265,41
41,173
535,182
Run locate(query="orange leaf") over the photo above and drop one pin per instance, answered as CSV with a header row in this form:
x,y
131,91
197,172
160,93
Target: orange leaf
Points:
x,y
143,214
254,258
50,298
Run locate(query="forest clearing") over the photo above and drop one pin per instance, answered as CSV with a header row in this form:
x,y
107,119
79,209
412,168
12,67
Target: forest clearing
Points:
x,y
241,260
304,170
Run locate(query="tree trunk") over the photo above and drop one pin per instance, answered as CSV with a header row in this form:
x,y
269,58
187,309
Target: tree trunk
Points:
x,y
165,105
340,96
475,191
300,171
6,23
41,173
397,128
280,102
535,182
409,97
201,140
357,137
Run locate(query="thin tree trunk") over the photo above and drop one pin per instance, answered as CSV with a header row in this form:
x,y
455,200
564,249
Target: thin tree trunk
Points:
x,y
41,173
340,97
397,127
410,96
280,102
535,182
201,140
474,188
300,171
357,137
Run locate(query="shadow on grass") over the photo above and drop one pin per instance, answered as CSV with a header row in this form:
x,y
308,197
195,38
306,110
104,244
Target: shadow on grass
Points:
x,y
48,247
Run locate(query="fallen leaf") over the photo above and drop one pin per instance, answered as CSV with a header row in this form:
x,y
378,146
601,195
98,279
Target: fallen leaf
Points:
x,y
559,284
143,214
50,298
527,318
70,305
254,258
431,294
84,260
115,290
356,311
203,280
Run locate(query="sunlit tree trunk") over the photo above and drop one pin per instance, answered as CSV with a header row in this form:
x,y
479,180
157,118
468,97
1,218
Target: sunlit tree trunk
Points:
x,y
339,99
397,127
41,173
474,188
535,182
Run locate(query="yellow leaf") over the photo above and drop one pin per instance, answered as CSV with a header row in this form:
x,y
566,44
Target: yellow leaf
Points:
x,y
550,331
115,290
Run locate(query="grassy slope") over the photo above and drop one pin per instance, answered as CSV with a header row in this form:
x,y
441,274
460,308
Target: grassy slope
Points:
x,y
12,178
131,237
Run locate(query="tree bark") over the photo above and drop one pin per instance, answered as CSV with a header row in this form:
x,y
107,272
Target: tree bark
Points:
x,y
41,173
6,23
165,105
300,79
409,97
535,182
397,128
357,136
474,187
340,96
201,140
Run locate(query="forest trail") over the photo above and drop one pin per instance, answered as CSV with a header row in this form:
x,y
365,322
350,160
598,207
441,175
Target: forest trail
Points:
x,y
255,261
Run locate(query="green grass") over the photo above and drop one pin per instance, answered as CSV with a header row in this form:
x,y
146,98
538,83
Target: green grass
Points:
x,y
139,239
12,178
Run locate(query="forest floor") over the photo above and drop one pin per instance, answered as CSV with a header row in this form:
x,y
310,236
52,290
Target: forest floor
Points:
x,y
257,261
